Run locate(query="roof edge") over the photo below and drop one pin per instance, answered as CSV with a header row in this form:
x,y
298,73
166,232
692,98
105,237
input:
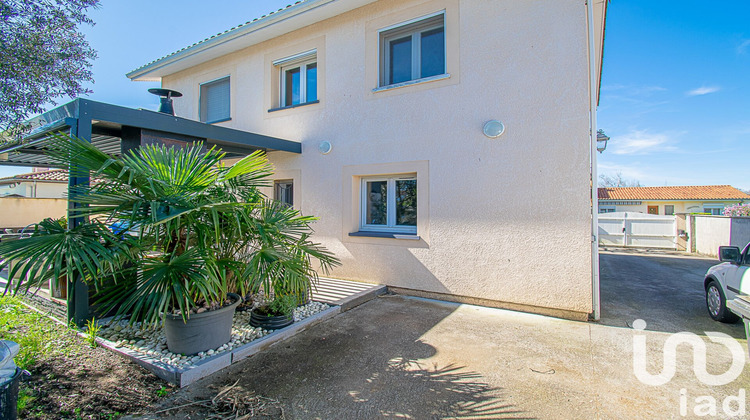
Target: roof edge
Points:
x,y
142,73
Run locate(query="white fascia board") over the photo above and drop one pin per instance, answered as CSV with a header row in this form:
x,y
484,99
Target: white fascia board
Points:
x,y
275,25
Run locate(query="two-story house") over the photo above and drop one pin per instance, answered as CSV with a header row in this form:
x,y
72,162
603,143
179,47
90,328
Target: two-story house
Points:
x,y
447,145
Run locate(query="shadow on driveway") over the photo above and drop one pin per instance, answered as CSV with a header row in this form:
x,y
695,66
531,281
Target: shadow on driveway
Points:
x,y
367,363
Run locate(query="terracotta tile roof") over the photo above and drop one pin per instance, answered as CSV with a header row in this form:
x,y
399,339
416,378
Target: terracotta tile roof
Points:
x,y
51,175
221,33
700,192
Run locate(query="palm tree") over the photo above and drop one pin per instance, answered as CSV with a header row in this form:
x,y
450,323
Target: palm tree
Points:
x,y
168,229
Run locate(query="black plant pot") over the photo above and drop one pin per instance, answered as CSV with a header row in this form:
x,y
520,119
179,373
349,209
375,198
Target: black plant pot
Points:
x,y
201,332
270,322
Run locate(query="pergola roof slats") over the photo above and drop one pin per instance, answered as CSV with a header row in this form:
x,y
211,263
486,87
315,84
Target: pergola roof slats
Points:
x,y
107,123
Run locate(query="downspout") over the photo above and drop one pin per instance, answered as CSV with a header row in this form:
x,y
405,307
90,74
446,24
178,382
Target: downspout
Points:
x,y
595,295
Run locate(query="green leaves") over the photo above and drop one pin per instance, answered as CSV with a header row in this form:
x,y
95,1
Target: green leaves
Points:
x,y
54,251
193,230
44,56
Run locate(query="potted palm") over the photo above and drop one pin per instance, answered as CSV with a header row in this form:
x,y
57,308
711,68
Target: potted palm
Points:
x,y
174,236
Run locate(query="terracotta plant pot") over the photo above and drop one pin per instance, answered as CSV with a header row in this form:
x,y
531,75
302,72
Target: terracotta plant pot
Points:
x,y
201,332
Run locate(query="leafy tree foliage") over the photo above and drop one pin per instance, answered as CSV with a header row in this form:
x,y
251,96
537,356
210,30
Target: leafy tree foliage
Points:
x,y
44,56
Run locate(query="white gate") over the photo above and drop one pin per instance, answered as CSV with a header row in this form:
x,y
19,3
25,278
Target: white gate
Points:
x,y
637,230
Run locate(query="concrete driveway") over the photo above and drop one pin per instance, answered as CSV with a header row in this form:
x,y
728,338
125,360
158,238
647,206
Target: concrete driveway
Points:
x,y
664,288
400,357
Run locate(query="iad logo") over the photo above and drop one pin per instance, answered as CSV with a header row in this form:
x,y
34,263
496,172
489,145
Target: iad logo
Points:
x,y
699,357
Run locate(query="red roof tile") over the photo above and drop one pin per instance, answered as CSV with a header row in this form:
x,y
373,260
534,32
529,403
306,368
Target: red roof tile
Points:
x,y
700,192
52,175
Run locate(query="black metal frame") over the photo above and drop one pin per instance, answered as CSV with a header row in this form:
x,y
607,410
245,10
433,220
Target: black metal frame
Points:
x,y
81,118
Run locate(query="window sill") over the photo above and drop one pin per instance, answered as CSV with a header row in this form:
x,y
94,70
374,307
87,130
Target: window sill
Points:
x,y
294,106
412,82
390,235
218,121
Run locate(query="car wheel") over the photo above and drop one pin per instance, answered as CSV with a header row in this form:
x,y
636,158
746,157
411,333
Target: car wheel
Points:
x,y
716,304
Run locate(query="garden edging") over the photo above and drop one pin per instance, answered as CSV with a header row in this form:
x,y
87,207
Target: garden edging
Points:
x,y
212,364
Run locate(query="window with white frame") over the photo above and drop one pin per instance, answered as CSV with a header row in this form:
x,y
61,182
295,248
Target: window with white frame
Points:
x,y
713,209
413,50
606,209
298,79
389,204
215,101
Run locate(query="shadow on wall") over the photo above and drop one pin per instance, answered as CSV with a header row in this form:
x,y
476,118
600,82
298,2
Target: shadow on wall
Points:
x,y
366,363
393,262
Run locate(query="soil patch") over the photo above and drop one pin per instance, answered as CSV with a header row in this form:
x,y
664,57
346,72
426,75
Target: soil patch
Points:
x,y
69,378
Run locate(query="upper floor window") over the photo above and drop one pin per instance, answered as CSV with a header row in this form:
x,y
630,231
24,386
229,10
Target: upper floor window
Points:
x,y
299,79
413,50
214,101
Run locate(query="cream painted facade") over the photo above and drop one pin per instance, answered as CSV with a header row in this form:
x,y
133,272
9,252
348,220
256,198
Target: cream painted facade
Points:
x,y
17,212
504,222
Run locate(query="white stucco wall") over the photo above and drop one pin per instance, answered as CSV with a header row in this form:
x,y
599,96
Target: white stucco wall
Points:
x,y
740,232
710,233
506,220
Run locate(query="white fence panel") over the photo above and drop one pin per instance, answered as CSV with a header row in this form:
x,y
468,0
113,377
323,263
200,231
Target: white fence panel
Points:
x,y
637,230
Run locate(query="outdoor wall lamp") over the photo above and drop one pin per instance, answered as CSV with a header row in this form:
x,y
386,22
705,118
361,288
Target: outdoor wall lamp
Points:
x,y
325,147
601,140
493,129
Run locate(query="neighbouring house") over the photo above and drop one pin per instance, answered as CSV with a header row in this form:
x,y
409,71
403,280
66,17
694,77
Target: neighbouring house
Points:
x,y
31,197
42,183
710,199
446,145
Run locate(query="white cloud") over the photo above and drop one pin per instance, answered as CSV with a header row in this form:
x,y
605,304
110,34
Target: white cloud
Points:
x,y
641,143
744,45
703,90
633,172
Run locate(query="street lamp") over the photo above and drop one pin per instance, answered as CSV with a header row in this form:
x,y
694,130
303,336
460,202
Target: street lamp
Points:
x,y
601,140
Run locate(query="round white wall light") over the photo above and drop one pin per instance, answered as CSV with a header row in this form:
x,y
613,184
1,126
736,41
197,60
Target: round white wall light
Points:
x,y
325,147
493,129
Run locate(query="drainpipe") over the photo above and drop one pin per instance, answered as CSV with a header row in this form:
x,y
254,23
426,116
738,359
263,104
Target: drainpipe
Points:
x,y
594,176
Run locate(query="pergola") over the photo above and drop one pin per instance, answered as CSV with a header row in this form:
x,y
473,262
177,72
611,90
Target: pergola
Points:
x,y
115,130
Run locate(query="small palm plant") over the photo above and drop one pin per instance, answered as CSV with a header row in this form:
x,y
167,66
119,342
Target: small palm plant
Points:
x,y
168,229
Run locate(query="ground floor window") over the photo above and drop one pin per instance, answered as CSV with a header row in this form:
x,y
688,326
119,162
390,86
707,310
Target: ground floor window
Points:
x,y
389,204
716,210
283,190
606,209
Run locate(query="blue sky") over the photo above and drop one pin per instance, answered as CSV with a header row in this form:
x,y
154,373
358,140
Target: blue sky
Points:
x,y
675,93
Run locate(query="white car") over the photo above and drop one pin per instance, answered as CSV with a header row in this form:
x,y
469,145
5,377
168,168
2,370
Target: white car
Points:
x,y
727,280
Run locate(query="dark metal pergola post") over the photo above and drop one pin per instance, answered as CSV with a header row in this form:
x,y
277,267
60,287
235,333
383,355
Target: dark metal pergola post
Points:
x,y
78,292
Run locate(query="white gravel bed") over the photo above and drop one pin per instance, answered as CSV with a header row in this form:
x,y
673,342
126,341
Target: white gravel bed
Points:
x,y
151,343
